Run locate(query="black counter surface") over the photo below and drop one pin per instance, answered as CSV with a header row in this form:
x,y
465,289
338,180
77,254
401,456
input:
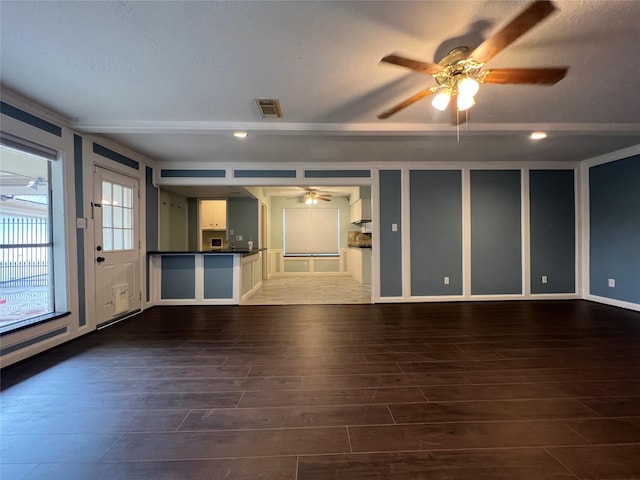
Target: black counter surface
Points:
x,y
226,251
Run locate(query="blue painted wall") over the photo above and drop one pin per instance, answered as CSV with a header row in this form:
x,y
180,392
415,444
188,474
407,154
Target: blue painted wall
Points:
x,y
496,238
390,242
193,239
436,232
218,276
614,226
178,277
552,231
243,220
151,211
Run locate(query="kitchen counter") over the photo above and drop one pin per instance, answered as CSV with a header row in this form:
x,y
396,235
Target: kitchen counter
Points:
x,y
225,251
204,277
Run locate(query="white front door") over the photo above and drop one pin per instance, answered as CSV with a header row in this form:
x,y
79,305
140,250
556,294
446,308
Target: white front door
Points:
x,y
116,250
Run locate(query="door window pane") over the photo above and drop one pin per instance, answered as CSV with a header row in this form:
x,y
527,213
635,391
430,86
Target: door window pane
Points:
x,y
117,239
107,215
117,194
117,217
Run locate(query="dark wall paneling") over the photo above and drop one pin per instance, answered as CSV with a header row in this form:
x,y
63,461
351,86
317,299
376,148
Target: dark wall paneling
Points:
x,y
436,232
29,119
115,156
614,204
32,341
552,231
264,173
79,194
337,173
496,238
390,241
193,236
151,211
179,173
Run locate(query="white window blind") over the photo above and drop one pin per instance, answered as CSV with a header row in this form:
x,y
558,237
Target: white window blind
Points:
x,y
311,231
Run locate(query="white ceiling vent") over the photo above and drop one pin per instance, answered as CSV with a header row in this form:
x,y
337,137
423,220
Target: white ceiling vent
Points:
x,y
269,108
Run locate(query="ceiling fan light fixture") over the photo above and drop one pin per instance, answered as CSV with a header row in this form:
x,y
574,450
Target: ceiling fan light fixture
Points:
x,y
538,135
468,86
441,100
465,102
240,134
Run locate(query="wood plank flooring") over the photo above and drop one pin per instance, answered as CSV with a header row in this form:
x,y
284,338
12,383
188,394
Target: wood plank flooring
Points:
x,y
484,390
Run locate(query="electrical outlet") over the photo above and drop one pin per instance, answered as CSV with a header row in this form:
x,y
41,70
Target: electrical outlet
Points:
x,y
544,279
612,283
238,238
394,227
446,280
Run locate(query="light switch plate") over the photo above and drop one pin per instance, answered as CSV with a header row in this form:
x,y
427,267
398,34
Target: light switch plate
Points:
x,y
238,238
81,223
394,227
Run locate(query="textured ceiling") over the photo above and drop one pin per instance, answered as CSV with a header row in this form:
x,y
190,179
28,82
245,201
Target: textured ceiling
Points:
x,y
174,79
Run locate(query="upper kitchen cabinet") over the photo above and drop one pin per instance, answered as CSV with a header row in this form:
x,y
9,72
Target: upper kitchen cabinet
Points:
x,y
213,215
361,211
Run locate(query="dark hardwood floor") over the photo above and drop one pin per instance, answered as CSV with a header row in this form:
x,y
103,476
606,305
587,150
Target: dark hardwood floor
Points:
x,y
484,390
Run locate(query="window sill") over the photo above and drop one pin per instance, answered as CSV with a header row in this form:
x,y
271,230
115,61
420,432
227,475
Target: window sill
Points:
x,y
30,322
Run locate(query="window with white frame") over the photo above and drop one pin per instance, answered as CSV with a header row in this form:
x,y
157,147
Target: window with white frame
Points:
x,y
26,235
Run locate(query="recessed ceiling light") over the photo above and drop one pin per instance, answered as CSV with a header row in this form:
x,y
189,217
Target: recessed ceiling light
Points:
x,y
240,134
538,135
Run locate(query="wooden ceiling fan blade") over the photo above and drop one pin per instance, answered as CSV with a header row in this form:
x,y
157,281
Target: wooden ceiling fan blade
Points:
x,y
416,65
521,24
326,199
404,104
543,76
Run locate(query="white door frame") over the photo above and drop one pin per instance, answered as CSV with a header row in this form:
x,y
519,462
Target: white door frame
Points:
x,y
117,279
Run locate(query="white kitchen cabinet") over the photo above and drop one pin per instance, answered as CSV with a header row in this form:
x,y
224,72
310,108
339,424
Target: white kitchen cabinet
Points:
x,y
361,210
213,214
359,264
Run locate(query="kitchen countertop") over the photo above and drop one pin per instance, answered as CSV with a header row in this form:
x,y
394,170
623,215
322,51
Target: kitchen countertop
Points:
x,y
239,251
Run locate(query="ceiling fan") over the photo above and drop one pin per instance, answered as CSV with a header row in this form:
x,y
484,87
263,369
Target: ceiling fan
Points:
x,y
311,197
459,74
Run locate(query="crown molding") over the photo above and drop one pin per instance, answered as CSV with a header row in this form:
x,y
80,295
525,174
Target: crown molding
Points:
x,y
347,129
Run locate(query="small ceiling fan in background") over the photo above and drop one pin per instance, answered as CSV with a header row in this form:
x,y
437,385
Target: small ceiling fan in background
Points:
x,y
311,197
458,75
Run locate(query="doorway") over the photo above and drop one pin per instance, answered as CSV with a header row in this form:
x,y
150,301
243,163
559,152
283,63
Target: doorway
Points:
x,y
117,245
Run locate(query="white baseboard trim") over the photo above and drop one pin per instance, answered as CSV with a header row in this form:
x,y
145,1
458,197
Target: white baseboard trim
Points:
x,y
613,302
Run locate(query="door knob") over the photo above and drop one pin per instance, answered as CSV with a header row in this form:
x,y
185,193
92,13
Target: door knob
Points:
x,y
100,259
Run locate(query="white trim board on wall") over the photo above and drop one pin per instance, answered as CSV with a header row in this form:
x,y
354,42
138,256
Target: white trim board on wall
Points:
x,y
585,232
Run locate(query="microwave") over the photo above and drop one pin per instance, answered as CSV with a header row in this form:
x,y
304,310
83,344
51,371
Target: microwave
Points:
x,y
216,244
